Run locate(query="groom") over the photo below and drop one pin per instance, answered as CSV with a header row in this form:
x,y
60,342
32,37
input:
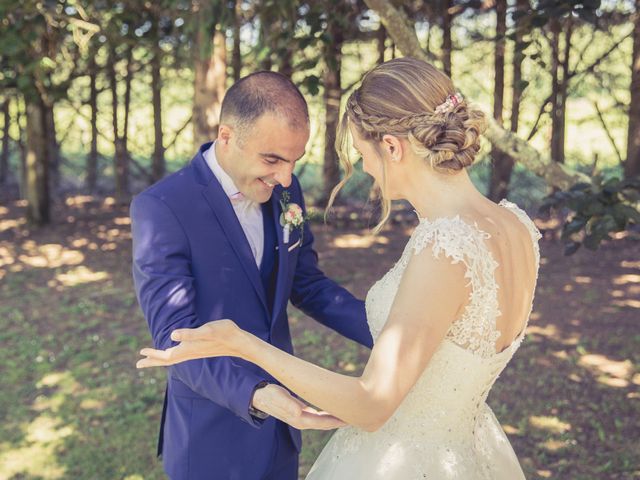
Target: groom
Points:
x,y
223,238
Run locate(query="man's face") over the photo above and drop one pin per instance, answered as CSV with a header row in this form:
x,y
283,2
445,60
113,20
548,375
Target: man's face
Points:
x,y
261,157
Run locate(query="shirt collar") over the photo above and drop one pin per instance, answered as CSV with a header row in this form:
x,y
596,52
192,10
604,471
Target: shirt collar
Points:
x,y
223,177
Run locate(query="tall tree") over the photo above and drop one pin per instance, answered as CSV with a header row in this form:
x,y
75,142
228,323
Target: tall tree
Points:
x,y
37,164
503,164
210,67
43,38
332,52
92,157
447,43
121,154
4,155
497,187
560,28
236,57
632,163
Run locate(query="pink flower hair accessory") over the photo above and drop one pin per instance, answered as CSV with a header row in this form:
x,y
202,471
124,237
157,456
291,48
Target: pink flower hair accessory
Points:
x,y
450,103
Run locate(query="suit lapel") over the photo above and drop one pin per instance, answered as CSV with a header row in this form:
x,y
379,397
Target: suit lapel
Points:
x,y
283,257
221,206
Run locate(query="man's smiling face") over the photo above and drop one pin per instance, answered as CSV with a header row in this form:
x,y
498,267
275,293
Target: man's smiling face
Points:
x,y
262,156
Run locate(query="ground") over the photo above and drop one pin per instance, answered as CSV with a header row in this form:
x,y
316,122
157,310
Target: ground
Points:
x,y
73,406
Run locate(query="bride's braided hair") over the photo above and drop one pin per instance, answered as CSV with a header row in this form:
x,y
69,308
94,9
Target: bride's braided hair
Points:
x,y
404,97
449,140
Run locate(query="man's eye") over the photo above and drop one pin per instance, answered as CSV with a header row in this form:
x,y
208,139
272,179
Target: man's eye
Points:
x,y
271,161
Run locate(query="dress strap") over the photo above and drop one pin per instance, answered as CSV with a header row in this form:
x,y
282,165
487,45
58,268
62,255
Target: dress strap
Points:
x,y
528,223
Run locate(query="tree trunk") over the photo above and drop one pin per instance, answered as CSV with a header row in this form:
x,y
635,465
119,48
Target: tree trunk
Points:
x,y
4,155
497,186
332,95
92,158
382,39
37,164
564,86
398,28
210,63
632,164
286,63
560,75
119,162
447,18
236,58
53,149
502,171
158,167
22,148
122,170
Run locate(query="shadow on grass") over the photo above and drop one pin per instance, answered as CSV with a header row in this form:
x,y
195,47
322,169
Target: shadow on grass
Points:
x,y
73,406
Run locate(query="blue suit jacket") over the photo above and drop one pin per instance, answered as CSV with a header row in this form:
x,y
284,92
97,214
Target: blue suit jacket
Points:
x,y
192,264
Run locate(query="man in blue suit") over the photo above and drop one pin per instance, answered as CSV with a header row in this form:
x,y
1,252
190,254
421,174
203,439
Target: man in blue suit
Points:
x,y
210,242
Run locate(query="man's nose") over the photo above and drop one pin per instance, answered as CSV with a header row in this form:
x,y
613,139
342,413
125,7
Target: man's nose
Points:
x,y
283,175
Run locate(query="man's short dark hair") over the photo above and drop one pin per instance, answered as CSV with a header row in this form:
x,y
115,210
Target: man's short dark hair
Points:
x,y
263,92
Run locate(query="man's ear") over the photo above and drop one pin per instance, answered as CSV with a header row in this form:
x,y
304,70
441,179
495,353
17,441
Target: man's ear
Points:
x,y
392,145
225,133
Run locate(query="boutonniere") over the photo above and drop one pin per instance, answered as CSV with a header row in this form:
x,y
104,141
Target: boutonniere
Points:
x,y
292,217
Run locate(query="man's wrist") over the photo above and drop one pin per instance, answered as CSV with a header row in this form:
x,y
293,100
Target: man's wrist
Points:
x,y
253,411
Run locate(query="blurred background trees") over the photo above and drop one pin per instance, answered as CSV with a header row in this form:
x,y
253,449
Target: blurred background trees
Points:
x,y
107,97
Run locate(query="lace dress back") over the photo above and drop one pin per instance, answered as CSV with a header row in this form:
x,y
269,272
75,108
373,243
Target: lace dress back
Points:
x,y
443,429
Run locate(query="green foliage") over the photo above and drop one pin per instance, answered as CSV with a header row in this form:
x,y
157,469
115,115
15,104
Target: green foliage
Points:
x,y
599,209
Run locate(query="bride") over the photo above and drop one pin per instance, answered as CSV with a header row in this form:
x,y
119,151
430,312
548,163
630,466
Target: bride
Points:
x,y
446,319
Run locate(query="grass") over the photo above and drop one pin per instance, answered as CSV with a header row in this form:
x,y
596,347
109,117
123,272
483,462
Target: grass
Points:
x,y
73,406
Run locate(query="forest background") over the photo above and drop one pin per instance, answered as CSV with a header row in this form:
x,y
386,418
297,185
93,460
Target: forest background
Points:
x,y
100,99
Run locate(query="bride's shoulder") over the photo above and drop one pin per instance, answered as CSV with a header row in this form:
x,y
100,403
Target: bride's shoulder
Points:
x,y
449,236
522,217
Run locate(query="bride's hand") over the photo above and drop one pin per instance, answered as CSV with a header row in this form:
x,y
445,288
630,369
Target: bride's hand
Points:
x,y
214,339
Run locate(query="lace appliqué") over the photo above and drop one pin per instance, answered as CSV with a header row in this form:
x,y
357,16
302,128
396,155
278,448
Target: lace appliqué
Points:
x,y
476,329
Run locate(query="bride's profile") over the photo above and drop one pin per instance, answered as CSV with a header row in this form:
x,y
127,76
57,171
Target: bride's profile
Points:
x,y
446,318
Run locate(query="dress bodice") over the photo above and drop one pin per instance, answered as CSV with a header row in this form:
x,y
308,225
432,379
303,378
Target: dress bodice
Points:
x,y
466,365
444,418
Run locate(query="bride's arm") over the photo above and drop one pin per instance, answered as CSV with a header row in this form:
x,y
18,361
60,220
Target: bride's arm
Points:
x,y
429,298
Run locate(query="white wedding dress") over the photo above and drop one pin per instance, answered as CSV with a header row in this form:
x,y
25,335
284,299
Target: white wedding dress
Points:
x,y
443,429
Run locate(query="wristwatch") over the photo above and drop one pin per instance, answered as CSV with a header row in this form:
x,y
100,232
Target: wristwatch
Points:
x,y
254,412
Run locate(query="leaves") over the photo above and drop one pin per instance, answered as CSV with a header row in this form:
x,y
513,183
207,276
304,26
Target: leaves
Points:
x,y
598,209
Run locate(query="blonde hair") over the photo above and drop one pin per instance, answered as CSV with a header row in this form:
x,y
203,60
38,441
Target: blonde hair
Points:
x,y
400,97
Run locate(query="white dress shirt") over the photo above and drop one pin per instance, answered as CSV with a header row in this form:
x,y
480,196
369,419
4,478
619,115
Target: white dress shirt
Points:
x,y
249,213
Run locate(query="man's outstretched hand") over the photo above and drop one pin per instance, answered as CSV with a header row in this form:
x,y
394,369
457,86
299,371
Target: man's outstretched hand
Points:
x,y
279,403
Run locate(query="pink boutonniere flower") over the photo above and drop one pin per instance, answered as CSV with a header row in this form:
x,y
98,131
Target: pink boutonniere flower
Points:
x,y
292,217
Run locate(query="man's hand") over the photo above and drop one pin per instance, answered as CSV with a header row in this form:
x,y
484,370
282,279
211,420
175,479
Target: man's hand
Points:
x,y
279,403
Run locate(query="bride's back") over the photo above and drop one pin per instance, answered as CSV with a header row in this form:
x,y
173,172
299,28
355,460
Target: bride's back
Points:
x,y
512,247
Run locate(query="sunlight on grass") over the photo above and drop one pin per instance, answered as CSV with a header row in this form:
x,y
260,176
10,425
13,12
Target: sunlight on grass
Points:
x,y
582,279
122,221
50,255
79,200
550,424
38,456
78,276
11,223
630,264
359,241
627,303
619,369
625,279
552,445
544,473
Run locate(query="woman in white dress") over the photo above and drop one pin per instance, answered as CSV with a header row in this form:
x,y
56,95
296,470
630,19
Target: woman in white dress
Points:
x,y
446,319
